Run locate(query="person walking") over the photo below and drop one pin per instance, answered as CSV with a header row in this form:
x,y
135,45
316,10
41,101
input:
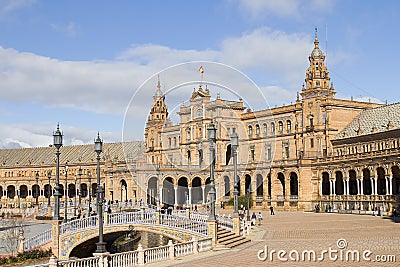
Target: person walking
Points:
x,y
259,216
253,218
272,210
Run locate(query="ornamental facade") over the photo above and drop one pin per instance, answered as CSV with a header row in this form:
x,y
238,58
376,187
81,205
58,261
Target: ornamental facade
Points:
x,y
339,154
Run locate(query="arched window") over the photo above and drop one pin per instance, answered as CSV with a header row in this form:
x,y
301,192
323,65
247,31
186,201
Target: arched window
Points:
x,y
257,130
199,113
265,129
272,128
280,127
288,126
250,131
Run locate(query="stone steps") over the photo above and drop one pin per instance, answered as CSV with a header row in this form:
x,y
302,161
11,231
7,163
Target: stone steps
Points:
x,y
229,239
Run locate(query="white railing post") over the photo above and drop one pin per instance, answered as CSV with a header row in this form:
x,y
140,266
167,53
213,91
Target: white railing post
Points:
x,y
195,245
52,261
140,255
21,240
171,250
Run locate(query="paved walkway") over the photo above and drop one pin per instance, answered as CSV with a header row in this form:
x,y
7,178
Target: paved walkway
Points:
x,y
296,232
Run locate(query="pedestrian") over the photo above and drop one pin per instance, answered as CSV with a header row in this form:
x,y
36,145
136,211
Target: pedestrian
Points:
x,y
272,210
253,218
259,218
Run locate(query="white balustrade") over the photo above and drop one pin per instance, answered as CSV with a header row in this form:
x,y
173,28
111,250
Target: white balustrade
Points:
x,y
123,259
87,262
156,254
204,244
225,222
184,249
143,217
79,224
37,240
184,223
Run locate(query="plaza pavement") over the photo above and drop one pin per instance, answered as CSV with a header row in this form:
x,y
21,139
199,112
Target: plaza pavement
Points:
x,y
301,231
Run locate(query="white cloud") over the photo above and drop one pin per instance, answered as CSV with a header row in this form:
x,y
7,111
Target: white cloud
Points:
x,y
7,6
70,28
281,8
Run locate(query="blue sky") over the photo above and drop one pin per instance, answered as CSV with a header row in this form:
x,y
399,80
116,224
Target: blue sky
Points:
x,y
80,63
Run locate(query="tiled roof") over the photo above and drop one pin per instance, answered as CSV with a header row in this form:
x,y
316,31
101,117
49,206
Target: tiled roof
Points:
x,y
373,120
80,154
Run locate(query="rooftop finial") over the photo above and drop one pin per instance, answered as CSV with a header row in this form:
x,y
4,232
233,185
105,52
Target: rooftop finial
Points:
x,y
316,34
158,83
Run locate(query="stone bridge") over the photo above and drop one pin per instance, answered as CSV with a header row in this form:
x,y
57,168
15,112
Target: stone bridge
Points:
x,y
182,226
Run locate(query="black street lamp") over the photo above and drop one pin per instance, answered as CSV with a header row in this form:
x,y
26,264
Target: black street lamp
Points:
x,y
75,199
101,245
248,204
212,133
48,189
57,141
235,145
66,194
80,185
37,188
90,192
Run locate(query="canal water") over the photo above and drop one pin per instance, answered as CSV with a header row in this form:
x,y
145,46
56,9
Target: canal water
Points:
x,y
148,240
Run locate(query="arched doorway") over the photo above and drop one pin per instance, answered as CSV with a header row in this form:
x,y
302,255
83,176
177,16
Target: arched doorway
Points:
x,y
281,178
10,191
124,190
152,192
197,191
168,191
294,185
367,185
47,190
23,191
352,183
326,188
35,191
269,185
227,186
61,190
381,182
84,190
71,191
339,184
396,180
1,191
260,185
183,192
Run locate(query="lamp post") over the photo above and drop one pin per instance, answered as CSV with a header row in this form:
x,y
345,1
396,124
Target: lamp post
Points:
x,y
49,189
248,204
212,133
235,145
79,187
37,188
90,191
75,199
66,194
57,141
98,147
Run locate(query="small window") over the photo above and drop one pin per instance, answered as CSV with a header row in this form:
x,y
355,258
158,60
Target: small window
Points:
x,y
257,130
280,127
250,131
288,126
312,142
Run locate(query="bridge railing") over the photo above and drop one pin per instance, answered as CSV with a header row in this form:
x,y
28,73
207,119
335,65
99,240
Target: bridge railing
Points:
x,y
158,254
86,262
79,224
37,240
184,223
225,222
148,217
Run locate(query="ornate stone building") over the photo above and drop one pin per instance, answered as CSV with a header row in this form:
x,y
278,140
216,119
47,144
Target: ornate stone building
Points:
x,y
319,150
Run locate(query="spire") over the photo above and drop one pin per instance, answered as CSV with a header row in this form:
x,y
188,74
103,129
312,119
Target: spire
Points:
x,y
158,92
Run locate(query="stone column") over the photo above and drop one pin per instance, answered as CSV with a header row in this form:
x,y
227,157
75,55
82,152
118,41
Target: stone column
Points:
x,y
361,187
190,196
236,224
21,240
55,233
358,186
375,186
140,254
347,186
203,188
387,185
176,195
390,186
320,188
161,196
171,250
333,186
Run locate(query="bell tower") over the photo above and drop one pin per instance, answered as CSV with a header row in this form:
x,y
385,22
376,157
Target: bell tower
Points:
x,y
157,119
317,82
